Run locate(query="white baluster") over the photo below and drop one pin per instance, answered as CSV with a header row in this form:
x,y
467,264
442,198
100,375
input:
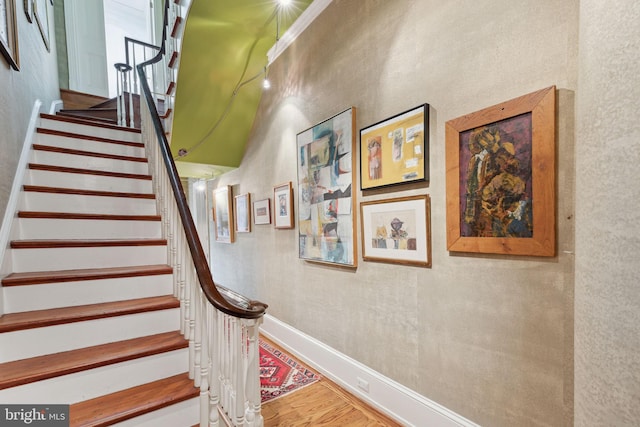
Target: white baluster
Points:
x,y
197,348
254,406
214,368
204,371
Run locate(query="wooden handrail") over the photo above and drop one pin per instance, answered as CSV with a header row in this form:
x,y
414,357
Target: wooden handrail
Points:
x,y
244,308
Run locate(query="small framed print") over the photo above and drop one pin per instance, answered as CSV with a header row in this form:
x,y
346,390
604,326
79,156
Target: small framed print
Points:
x,y
223,215
397,231
28,10
242,213
282,196
262,212
41,13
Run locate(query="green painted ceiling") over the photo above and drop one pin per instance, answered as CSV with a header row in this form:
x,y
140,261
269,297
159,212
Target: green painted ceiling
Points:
x,y
225,43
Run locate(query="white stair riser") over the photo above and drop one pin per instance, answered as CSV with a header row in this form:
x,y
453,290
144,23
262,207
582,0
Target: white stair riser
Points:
x,y
88,145
87,182
88,162
90,130
66,294
27,343
80,386
45,259
185,413
39,228
78,203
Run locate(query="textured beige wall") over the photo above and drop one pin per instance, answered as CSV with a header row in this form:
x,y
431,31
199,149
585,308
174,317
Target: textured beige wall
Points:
x,y
490,337
607,357
37,79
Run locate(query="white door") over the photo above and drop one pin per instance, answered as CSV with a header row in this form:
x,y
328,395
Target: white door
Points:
x,y
86,46
124,18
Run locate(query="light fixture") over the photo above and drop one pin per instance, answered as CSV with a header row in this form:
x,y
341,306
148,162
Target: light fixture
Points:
x,y
265,83
201,185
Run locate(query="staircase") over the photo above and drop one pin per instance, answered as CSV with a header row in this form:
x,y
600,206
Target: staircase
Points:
x,y
90,317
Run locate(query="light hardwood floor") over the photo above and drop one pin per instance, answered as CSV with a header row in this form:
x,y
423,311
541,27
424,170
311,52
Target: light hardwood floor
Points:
x,y
322,403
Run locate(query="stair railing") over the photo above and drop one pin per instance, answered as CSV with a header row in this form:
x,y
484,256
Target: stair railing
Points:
x,y
222,326
160,77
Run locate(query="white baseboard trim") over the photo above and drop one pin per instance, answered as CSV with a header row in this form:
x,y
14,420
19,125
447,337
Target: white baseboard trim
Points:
x,y
397,401
12,203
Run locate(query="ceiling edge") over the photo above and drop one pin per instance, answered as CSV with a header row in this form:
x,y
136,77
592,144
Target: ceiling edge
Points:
x,y
300,24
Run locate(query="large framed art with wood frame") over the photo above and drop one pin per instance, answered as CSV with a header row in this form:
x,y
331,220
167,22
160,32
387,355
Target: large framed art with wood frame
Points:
x,y
9,33
501,178
326,199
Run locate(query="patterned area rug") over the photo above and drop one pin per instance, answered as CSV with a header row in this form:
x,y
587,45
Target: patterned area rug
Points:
x,y
280,374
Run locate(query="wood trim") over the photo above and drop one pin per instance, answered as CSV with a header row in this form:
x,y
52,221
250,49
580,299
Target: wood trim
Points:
x,y
60,190
133,402
172,86
25,371
176,26
89,216
75,99
61,276
51,168
89,137
173,60
77,243
166,114
88,122
72,151
58,316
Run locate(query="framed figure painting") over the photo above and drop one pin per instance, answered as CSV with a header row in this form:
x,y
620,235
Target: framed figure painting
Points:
x,y
501,178
326,202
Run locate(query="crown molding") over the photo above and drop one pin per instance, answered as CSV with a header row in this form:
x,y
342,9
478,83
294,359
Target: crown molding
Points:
x,y
301,24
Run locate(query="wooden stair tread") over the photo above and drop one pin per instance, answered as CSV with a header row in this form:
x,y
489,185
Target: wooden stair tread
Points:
x,y
126,404
61,190
97,117
71,215
74,135
44,277
52,168
83,243
53,149
88,122
81,110
58,316
25,371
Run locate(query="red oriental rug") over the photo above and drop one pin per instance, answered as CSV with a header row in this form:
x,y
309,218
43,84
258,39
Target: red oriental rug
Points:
x,y
281,374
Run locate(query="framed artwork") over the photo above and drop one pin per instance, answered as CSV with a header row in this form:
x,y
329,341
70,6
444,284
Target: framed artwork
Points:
x,y
41,13
326,203
395,150
262,211
242,213
28,9
283,196
397,230
223,215
9,33
500,164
